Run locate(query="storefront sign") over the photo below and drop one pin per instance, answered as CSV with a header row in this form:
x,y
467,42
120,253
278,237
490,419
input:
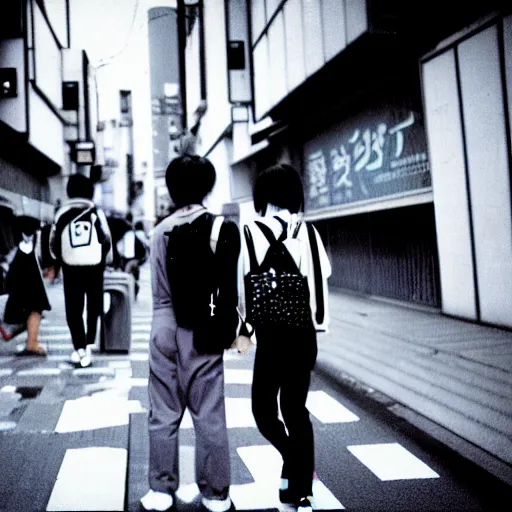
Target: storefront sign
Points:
x,y
370,156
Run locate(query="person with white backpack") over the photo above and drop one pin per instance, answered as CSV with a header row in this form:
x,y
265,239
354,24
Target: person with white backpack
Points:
x,y
80,240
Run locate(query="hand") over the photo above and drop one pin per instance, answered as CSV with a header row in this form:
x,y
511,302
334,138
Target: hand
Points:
x,y
243,344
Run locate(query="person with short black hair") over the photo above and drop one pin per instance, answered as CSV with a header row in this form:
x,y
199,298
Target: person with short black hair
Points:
x,y
286,349
80,241
187,254
27,297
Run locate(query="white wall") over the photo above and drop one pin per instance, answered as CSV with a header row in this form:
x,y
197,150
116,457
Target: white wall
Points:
x,y
301,39
48,59
446,155
73,72
471,176
221,157
56,10
489,177
218,114
46,129
12,110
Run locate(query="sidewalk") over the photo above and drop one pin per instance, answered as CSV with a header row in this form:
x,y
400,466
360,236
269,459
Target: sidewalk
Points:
x,y
450,378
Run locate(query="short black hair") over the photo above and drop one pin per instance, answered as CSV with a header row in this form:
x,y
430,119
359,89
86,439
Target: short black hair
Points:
x,y
281,186
28,224
189,179
80,186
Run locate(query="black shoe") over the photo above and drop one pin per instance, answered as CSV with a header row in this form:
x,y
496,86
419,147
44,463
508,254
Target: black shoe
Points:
x,y
305,505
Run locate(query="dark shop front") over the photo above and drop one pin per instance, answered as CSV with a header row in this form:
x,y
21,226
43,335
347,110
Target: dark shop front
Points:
x,y
368,189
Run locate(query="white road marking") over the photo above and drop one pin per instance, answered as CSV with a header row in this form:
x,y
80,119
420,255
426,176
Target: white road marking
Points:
x,y
265,463
138,357
237,376
54,337
91,479
39,371
119,364
238,414
391,461
328,410
94,371
54,328
138,382
136,326
5,372
140,345
101,410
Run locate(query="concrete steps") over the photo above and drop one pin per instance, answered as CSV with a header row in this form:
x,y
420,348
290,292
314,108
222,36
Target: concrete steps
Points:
x,y
470,399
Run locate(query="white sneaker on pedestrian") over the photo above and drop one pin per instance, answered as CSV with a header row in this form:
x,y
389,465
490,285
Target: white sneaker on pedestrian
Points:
x,y
85,358
217,505
155,500
75,357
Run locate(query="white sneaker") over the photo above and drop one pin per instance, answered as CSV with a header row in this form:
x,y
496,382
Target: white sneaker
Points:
x,y
217,505
155,500
85,358
75,357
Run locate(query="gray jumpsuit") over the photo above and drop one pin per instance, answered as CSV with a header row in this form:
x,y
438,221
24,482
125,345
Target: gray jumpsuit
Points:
x,y
181,378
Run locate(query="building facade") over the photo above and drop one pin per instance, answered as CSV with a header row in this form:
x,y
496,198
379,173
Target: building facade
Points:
x,y
48,109
390,114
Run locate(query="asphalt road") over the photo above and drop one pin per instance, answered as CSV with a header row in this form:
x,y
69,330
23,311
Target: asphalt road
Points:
x,y
77,440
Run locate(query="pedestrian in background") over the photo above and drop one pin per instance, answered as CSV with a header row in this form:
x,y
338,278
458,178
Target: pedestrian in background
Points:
x,y
286,349
80,240
27,298
186,353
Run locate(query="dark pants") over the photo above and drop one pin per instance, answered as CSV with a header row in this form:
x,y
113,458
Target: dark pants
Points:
x,y
283,364
81,282
181,378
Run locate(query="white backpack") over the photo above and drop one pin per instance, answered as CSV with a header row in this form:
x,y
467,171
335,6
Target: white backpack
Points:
x,y
79,241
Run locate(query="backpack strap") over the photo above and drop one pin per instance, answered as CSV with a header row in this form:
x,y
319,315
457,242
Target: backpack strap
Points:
x,y
253,262
297,228
285,228
317,270
214,237
269,234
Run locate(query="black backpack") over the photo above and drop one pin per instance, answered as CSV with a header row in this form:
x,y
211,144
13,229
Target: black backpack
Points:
x,y
192,271
277,293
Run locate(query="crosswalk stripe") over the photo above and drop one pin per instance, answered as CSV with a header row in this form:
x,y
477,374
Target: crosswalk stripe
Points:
x,y
38,372
141,327
91,479
391,461
239,411
101,410
328,410
5,372
237,376
265,463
